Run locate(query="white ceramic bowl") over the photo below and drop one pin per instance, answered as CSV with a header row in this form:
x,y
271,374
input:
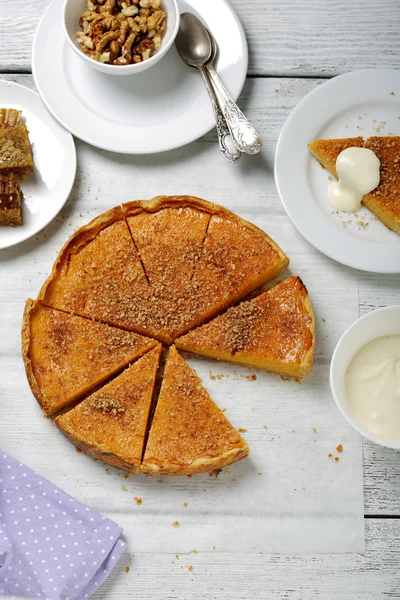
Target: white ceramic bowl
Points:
x,y
73,10
378,323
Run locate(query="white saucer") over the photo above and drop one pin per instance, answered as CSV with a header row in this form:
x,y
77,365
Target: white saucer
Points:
x,y
365,103
48,187
162,108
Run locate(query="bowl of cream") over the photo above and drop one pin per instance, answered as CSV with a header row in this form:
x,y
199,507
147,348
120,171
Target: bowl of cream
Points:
x,y
365,376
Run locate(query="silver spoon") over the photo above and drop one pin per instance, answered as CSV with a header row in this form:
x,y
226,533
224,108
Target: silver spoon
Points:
x,y
195,48
197,58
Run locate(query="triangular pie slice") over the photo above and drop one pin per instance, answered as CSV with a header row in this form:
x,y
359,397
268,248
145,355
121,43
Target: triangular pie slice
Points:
x,y
189,433
98,274
274,331
111,424
168,233
384,201
237,258
67,356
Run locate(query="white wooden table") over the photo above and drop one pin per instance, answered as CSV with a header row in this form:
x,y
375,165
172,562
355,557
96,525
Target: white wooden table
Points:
x,y
294,46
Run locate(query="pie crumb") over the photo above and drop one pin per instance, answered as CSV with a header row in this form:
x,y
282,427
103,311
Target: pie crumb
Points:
x,y
175,524
138,500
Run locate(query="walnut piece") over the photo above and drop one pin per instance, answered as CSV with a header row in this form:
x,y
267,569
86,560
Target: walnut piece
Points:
x,y
121,32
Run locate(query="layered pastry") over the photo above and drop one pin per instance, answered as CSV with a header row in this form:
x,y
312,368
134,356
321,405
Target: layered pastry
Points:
x,y
275,331
189,433
111,424
384,200
10,201
15,149
67,356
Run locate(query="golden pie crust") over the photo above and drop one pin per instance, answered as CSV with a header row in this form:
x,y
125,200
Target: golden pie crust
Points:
x,y
274,331
147,271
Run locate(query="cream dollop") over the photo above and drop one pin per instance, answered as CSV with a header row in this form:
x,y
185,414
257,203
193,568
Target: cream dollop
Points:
x,y
358,172
372,384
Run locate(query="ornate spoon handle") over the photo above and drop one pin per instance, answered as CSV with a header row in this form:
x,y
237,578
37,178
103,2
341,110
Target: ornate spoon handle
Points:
x,y
242,131
223,132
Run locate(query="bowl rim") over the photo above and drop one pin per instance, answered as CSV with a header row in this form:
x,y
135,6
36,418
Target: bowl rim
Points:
x,y
126,68
394,445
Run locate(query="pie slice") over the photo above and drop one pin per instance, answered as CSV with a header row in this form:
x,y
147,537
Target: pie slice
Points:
x,y
15,149
98,274
67,356
111,424
384,201
237,258
10,201
275,331
168,233
189,433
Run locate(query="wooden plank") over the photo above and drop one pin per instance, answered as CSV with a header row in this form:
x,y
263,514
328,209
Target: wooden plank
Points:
x,y
268,103
286,37
218,576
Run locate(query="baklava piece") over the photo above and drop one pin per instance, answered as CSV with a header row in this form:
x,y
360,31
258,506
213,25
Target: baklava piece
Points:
x,y
15,149
10,202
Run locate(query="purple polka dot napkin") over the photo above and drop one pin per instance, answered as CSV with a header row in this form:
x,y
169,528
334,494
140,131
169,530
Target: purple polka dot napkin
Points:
x,y
51,546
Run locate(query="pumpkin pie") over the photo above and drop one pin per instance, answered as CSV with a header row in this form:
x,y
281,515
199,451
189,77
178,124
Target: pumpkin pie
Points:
x,y
189,434
15,149
67,356
383,201
111,424
274,331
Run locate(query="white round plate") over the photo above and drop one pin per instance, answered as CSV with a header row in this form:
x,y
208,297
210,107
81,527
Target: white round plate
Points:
x,y
46,189
162,108
365,103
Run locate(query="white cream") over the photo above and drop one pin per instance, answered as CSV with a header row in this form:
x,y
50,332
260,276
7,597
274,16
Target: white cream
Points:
x,y
358,172
372,384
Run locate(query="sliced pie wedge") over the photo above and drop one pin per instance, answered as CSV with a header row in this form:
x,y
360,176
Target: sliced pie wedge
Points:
x,y
168,233
111,424
189,433
384,201
275,331
98,274
67,356
237,258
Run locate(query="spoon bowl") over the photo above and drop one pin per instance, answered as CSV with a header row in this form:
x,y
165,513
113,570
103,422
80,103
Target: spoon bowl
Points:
x,y
193,41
